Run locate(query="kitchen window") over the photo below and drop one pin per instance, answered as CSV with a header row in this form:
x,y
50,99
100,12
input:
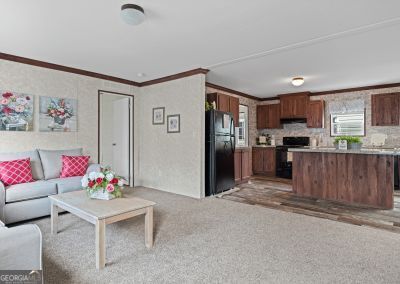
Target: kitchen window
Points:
x,y
349,124
242,131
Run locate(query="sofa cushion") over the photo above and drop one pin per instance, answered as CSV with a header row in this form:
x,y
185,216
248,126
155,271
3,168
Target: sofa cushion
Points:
x,y
25,191
36,165
67,184
16,172
52,163
74,166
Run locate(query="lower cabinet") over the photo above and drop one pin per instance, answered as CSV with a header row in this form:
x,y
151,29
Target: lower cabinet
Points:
x,y
264,161
242,165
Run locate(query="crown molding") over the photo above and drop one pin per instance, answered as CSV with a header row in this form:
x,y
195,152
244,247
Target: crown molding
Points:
x,y
43,64
225,89
174,77
356,89
63,68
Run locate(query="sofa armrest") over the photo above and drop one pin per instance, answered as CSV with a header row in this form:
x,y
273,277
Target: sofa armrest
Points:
x,y
21,248
93,168
2,200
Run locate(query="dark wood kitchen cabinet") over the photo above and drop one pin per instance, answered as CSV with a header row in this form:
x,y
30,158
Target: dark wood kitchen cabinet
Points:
x,y
269,116
294,105
264,161
234,109
262,111
226,103
385,109
242,165
316,114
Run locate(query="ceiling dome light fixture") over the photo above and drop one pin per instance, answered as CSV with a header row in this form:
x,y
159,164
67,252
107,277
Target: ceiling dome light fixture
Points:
x,y
298,81
132,14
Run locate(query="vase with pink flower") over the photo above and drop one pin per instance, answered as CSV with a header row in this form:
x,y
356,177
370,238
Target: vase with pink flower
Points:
x,y
16,111
103,185
60,111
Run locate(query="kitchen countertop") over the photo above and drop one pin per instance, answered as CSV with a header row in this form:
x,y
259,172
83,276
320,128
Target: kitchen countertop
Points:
x,y
263,146
242,147
367,151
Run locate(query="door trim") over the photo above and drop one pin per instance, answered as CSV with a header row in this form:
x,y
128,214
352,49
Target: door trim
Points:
x,y
131,130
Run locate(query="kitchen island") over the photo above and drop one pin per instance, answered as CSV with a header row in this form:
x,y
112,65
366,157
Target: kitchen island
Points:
x,y
357,177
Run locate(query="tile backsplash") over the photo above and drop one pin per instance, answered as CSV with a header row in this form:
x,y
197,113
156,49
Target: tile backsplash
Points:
x,y
323,134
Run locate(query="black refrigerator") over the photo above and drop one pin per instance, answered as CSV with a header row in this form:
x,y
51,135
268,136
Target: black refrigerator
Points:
x,y
220,151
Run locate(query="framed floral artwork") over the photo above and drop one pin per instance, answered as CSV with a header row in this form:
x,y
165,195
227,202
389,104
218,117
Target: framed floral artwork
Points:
x,y
16,111
58,114
174,123
158,115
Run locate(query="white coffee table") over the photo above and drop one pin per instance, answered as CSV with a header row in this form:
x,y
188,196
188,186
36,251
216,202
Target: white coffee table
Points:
x,y
101,213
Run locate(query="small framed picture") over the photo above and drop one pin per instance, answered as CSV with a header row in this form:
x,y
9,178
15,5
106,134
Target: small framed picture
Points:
x,y
174,123
158,115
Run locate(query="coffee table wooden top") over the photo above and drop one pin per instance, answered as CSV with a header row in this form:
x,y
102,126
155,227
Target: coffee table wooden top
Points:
x,y
101,209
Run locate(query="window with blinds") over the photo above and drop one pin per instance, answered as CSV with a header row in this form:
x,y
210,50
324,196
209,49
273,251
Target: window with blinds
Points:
x,y
348,124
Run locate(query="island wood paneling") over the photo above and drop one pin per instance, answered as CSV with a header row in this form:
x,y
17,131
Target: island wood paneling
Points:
x,y
358,179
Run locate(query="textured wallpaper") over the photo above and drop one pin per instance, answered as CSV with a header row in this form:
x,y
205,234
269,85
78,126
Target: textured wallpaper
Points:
x,y
173,161
46,82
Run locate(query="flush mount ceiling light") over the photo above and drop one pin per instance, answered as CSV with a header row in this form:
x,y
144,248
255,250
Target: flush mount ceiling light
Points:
x,y
298,81
132,14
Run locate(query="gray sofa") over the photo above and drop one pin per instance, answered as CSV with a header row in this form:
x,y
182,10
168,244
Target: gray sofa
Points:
x,y
21,247
30,200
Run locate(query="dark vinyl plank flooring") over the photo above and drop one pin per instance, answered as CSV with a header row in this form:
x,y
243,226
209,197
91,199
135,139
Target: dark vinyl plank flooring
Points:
x,y
276,193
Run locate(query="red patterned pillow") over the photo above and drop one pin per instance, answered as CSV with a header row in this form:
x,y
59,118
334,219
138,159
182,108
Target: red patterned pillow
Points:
x,y
16,171
74,166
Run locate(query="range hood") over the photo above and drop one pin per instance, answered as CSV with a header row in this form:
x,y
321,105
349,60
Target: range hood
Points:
x,y
293,120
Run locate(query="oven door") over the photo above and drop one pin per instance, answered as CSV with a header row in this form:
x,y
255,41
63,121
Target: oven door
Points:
x,y
283,165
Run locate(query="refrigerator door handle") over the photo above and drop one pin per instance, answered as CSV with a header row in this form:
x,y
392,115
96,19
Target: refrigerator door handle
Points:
x,y
232,136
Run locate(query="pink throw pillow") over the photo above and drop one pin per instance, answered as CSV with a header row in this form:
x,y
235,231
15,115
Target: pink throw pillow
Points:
x,y
16,171
74,166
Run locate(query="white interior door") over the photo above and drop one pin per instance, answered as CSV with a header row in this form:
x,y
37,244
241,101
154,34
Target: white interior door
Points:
x,y
120,132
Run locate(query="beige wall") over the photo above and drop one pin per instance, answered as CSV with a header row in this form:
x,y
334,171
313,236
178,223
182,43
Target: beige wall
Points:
x,y
170,162
46,82
173,162
393,132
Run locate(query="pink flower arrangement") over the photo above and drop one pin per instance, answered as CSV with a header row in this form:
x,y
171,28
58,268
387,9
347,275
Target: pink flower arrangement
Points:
x,y
15,107
105,181
59,109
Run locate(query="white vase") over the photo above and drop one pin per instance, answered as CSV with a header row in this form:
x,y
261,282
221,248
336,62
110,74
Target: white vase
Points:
x,y
102,194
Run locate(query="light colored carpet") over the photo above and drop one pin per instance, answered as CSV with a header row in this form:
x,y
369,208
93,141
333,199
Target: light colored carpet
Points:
x,y
220,241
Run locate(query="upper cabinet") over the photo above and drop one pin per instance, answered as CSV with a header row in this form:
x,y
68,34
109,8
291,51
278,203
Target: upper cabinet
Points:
x,y
316,114
226,103
268,116
262,112
294,105
385,109
234,109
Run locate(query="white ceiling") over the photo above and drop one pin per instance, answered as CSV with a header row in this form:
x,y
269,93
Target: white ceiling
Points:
x,y
251,46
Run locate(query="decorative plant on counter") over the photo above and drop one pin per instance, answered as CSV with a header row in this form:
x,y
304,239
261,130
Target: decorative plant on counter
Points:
x,y
103,185
353,142
209,106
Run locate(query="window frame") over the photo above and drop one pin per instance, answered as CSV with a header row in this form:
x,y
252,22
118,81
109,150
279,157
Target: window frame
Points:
x,y
347,113
246,129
